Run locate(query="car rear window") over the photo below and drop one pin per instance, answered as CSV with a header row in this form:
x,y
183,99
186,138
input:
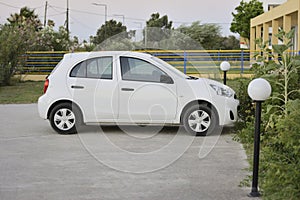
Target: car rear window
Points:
x,y
100,68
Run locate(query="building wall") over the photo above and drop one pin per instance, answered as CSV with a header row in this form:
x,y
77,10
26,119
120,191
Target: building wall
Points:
x,y
266,26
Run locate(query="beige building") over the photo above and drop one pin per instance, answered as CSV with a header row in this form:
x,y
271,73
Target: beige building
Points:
x,y
285,16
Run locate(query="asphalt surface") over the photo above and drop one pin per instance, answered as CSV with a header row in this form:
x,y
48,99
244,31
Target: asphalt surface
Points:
x,y
136,163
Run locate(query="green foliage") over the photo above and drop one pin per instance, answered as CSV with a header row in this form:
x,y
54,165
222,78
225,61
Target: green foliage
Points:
x,y
157,21
280,141
109,29
282,72
246,111
209,36
22,33
14,41
25,16
50,40
244,13
119,42
157,28
281,158
229,43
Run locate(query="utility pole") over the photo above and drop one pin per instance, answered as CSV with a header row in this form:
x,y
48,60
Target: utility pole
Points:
x,y
67,17
45,16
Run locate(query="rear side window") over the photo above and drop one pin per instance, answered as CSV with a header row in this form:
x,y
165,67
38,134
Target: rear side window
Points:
x,y
100,68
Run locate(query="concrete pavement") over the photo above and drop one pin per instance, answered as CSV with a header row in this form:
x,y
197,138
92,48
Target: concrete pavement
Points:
x,y
37,163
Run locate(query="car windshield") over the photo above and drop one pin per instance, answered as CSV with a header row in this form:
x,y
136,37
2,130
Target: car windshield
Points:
x,y
176,71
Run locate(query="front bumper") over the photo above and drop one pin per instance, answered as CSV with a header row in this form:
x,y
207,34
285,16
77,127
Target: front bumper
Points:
x,y
228,114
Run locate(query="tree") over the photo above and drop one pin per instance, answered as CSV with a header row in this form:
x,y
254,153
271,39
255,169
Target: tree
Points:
x,y
157,28
109,29
229,43
208,35
14,42
16,37
157,21
50,40
25,16
244,13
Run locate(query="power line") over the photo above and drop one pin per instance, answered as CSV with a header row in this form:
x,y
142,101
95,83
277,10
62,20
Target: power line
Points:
x,y
134,19
8,5
54,8
81,23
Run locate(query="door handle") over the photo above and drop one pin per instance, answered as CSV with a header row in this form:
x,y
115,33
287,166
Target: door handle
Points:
x,y
77,87
127,89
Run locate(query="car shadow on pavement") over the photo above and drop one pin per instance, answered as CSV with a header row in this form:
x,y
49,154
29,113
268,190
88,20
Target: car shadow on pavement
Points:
x,y
136,129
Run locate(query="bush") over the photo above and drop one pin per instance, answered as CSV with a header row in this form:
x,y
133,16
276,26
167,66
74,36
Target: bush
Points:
x,y
280,128
14,41
281,158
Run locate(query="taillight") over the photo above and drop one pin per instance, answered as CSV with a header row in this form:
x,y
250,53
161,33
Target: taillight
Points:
x,y
46,84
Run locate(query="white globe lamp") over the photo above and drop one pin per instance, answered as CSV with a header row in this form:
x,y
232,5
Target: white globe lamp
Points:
x,y
225,66
259,89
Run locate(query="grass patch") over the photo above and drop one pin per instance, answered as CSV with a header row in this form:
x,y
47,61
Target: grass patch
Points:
x,y
22,92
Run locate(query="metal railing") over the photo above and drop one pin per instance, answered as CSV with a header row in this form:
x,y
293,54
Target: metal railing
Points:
x,y
189,61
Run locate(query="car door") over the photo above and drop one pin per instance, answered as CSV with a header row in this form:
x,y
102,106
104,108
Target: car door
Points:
x,y
147,94
93,86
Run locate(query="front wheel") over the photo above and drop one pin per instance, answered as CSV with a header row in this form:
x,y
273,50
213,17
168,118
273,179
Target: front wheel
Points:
x,y
65,118
200,120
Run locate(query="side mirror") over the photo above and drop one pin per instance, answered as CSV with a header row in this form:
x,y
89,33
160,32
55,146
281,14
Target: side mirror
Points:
x,y
166,79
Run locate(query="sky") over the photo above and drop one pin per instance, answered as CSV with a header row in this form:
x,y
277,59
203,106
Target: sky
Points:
x,y
86,18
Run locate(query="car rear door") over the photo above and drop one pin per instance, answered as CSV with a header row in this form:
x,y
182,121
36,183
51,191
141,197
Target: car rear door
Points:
x,y
93,85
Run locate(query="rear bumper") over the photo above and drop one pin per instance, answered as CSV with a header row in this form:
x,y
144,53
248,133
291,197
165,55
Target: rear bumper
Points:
x,y
43,106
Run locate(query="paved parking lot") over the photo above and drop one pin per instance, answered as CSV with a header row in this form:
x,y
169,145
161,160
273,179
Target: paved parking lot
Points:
x,y
37,163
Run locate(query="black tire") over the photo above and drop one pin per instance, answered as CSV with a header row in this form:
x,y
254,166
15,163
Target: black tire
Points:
x,y
65,118
200,120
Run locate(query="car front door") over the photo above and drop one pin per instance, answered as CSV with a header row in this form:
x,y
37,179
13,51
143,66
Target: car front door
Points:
x,y
146,93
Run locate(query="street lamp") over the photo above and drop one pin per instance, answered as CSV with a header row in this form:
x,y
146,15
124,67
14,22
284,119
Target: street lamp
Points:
x,y
123,17
105,7
225,66
259,90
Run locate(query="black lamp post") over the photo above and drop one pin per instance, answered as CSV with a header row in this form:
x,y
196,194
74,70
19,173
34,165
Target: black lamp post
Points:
x,y
259,90
225,66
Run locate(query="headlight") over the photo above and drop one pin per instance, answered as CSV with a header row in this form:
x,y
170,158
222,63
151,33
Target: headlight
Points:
x,y
221,91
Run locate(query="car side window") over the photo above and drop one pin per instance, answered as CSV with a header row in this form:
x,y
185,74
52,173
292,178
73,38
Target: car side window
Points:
x,y
135,69
105,67
94,68
79,70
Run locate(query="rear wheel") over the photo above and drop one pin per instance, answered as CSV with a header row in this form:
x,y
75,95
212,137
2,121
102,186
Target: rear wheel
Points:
x,y
65,118
200,120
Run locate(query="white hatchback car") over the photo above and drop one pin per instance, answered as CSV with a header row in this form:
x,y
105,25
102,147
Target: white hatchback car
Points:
x,y
132,88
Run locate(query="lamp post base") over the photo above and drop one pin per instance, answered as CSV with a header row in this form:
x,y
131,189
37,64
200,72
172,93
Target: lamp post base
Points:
x,y
254,194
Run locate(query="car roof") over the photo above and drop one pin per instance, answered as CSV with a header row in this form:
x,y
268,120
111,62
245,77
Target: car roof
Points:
x,y
85,55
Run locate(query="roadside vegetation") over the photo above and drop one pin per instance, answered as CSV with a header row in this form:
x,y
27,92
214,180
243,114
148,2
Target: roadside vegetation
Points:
x,y
280,140
21,92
